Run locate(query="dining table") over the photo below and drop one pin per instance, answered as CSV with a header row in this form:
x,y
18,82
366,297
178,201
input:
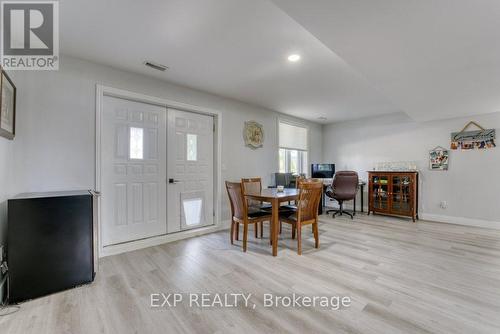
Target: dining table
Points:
x,y
275,197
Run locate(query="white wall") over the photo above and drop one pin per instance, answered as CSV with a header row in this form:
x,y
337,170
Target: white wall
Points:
x,y
6,163
55,143
470,186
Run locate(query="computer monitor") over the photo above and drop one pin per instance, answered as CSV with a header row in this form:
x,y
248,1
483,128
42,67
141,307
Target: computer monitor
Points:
x,y
322,171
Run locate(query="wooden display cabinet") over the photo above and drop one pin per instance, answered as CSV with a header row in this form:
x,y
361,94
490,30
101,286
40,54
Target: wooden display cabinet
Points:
x,y
393,193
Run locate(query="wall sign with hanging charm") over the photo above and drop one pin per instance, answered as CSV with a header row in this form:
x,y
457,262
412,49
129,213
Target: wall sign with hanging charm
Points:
x,y
469,140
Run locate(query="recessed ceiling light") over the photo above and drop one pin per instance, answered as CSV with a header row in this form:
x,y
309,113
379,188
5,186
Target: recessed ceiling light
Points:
x,y
294,57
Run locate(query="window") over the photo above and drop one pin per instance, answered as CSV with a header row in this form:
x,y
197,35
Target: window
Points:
x,y
192,147
136,143
293,148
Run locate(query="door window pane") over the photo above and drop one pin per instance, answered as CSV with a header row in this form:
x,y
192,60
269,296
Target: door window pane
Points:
x,y
192,211
192,147
380,192
136,143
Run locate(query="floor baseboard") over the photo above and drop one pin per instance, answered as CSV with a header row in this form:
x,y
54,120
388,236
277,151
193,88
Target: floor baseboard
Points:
x,y
441,218
163,239
461,221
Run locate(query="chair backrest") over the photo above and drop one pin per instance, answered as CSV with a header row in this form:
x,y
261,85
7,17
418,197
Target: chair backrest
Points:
x,y
236,199
280,179
252,186
345,184
299,179
309,198
288,180
303,179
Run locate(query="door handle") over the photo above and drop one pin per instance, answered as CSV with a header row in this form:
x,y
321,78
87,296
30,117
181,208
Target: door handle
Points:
x,y
172,181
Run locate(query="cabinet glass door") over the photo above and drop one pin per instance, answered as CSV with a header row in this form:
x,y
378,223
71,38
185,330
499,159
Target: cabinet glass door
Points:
x,y
380,194
401,196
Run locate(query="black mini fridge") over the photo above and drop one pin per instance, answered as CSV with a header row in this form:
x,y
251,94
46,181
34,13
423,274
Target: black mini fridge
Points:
x,y
50,243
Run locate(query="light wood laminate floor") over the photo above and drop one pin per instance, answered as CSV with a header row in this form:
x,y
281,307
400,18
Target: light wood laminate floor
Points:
x,y
402,278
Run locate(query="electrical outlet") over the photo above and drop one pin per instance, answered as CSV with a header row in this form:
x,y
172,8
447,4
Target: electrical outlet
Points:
x,y
443,204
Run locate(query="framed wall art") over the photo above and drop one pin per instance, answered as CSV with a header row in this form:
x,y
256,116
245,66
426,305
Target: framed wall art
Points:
x,y
439,158
253,134
7,107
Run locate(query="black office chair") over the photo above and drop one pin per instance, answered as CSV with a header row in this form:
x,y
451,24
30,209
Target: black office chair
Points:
x,y
344,188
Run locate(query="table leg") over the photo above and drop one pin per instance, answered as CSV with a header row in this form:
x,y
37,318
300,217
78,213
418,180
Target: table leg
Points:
x,y
362,202
275,226
354,207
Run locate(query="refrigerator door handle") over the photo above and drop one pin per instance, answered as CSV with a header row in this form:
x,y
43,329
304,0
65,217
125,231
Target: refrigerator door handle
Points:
x,y
95,224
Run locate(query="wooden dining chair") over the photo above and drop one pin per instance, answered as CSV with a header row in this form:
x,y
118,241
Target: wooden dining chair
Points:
x,y
299,179
292,208
307,211
240,213
254,186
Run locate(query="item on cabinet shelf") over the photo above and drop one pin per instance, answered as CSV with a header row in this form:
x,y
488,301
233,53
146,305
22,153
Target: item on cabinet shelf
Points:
x,y
7,107
253,134
393,193
438,158
396,166
468,140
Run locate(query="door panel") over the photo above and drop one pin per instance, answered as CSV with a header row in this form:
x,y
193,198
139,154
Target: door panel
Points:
x,y
380,193
190,169
401,194
133,170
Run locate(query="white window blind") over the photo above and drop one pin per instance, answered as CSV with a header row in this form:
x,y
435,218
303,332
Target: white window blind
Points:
x,y
292,136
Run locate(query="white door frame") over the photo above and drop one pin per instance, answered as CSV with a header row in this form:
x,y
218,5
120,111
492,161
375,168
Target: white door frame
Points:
x,y
102,91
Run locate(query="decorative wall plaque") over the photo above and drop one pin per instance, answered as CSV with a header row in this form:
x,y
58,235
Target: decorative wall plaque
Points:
x,y
469,140
253,134
438,158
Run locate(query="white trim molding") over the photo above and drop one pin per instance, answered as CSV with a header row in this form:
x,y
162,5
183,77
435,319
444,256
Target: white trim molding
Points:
x,y
434,218
102,91
162,239
461,221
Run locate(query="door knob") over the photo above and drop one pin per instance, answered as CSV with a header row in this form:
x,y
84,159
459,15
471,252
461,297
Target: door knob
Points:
x,y
173,181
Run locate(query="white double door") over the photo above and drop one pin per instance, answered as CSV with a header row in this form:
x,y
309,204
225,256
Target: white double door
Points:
x,y
156,170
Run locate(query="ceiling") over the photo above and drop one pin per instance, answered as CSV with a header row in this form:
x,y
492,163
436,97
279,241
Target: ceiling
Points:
x,y
432,58
233,48
429,58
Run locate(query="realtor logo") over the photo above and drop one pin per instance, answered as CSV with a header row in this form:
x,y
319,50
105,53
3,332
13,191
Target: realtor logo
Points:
x,y
30,35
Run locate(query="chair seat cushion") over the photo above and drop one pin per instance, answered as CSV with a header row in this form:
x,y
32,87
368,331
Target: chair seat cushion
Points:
x,y
267,207
291,218
287,210
258,213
